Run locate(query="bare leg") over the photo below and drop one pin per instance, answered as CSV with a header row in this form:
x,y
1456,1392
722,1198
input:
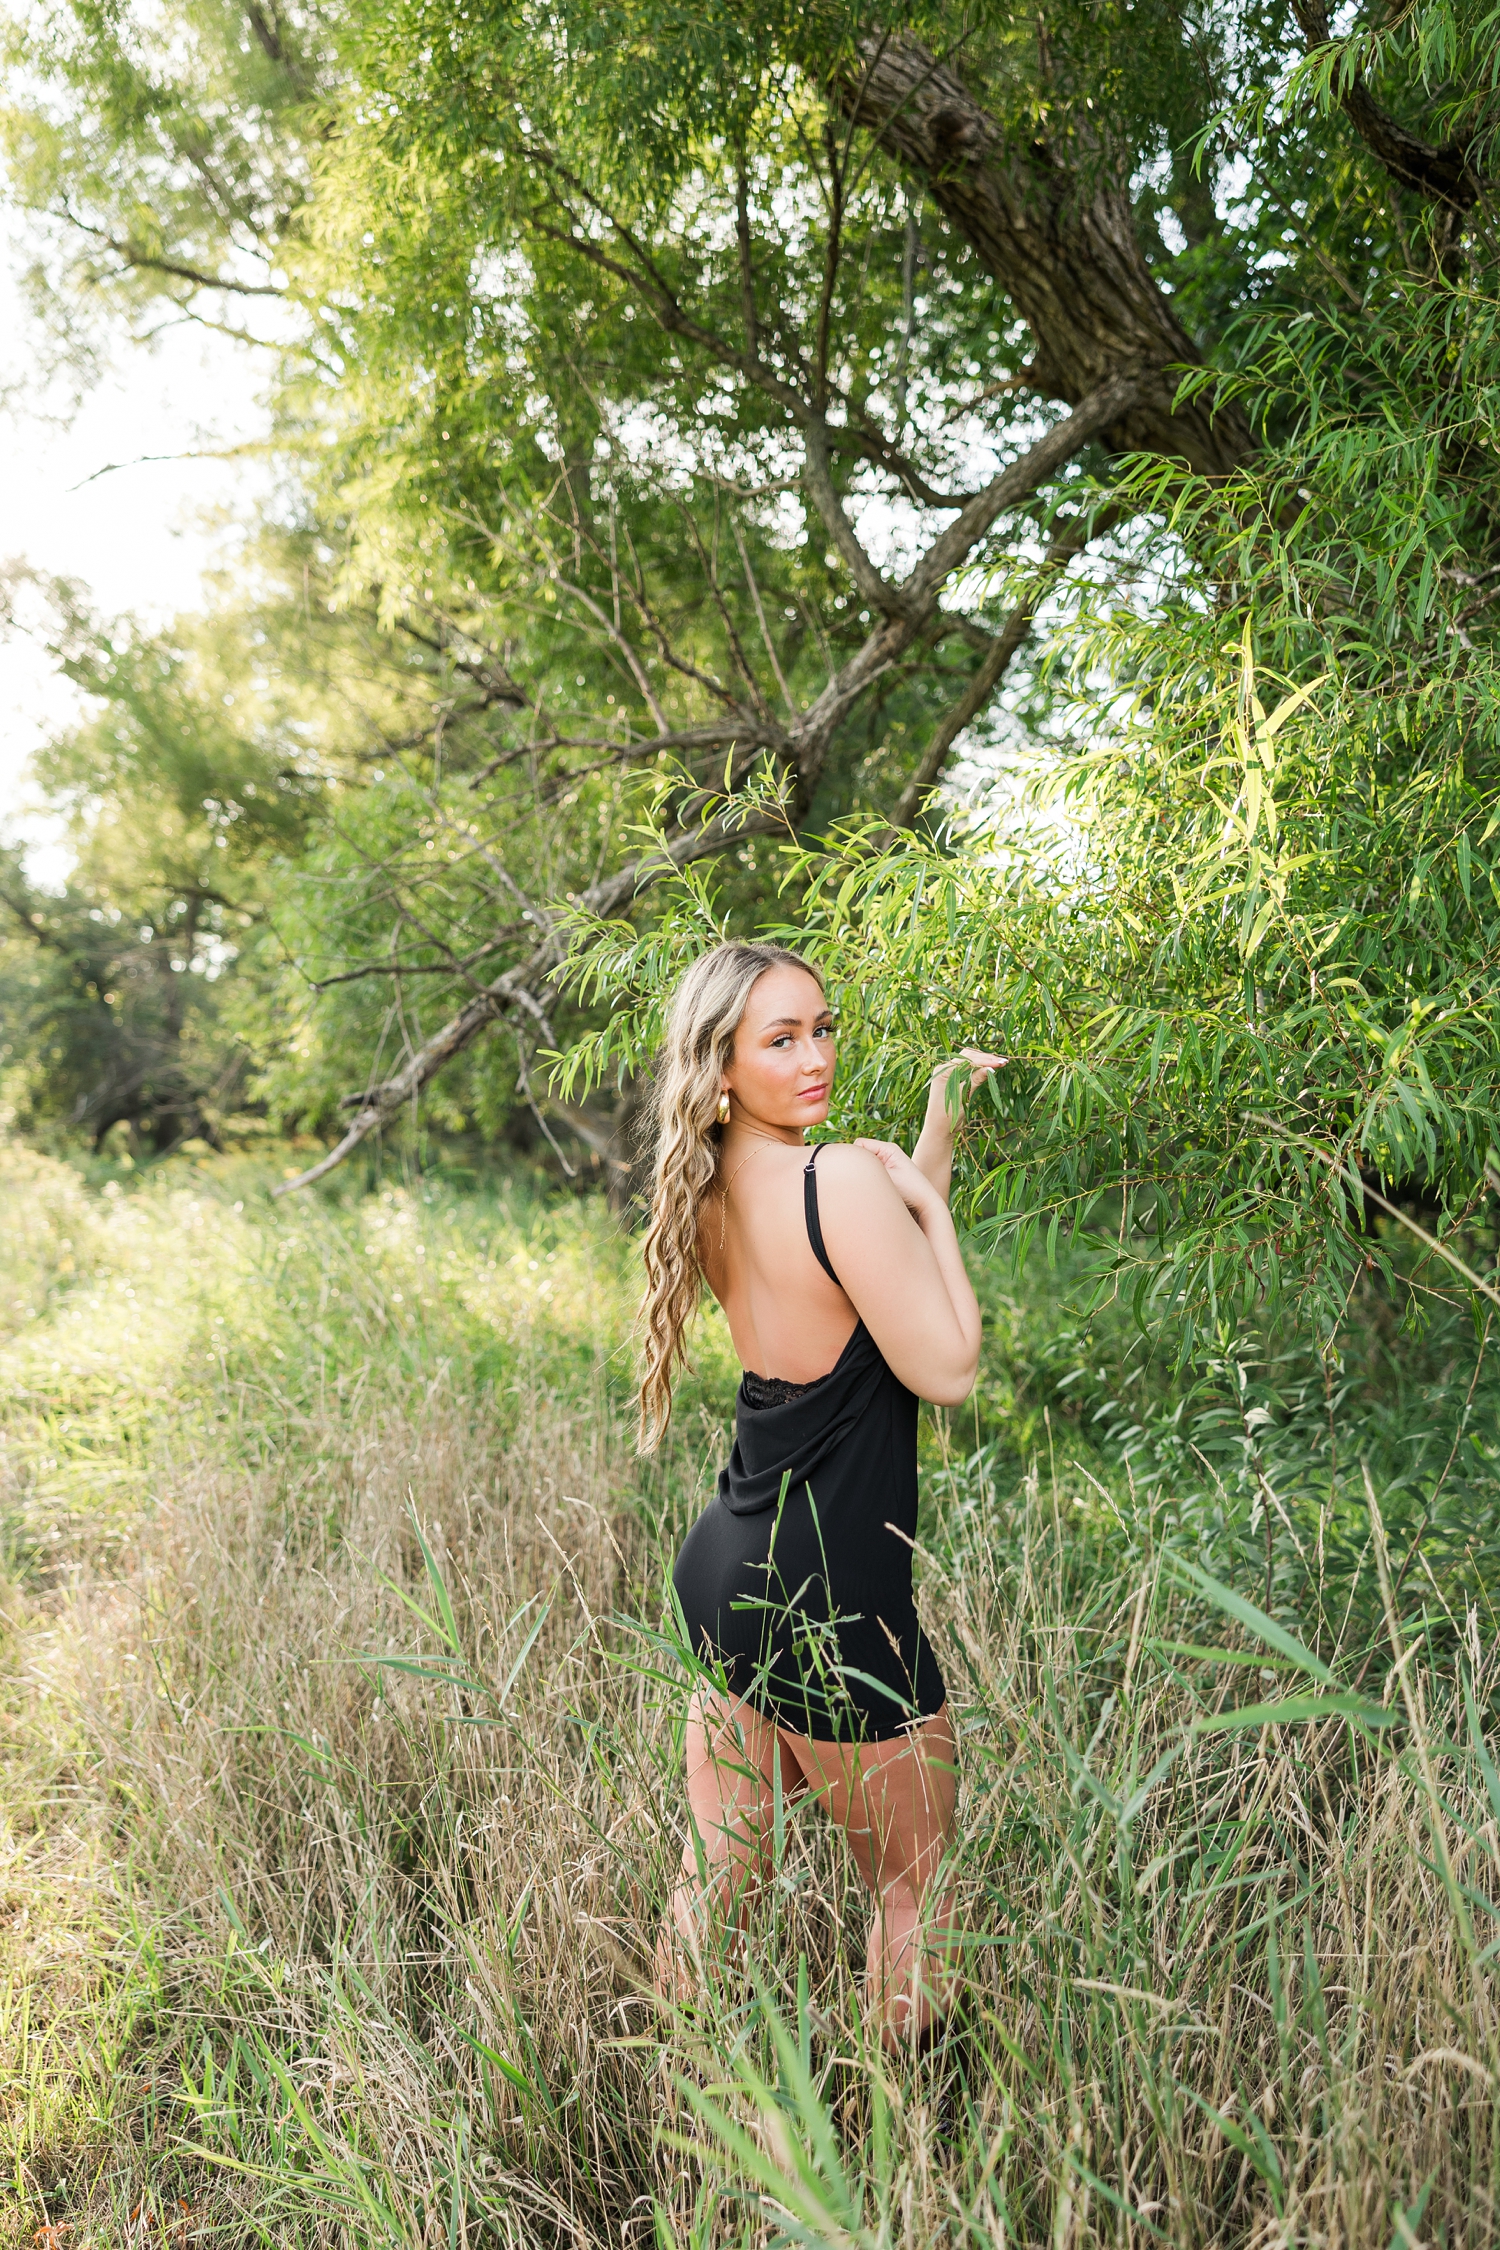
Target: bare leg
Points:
x,y
896,1802
732,1753
894,1799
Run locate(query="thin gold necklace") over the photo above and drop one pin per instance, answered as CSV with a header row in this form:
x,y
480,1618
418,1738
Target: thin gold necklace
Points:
x,y
734,1175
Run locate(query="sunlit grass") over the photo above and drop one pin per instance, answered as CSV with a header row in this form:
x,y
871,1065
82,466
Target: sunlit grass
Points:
x,y
323,1924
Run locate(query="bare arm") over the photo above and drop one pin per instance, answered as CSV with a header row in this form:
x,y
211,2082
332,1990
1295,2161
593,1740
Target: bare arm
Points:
x,y
893,1245
933,1154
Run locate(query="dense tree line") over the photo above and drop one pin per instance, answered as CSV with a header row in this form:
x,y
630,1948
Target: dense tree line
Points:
x,y
1013,495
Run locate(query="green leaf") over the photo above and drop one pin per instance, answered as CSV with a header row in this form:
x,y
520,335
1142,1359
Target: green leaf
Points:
x,y
1295,1710
1255,1621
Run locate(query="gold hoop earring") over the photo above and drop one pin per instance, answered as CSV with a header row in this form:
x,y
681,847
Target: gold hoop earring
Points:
x,y
724,1108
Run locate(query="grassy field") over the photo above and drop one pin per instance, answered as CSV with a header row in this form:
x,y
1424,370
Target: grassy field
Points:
x,y
341,1737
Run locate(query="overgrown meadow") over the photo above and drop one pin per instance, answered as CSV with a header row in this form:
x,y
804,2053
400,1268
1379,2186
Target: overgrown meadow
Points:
x,y
342,1730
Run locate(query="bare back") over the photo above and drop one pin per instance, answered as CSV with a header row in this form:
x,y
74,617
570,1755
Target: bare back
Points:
x,y
786,1317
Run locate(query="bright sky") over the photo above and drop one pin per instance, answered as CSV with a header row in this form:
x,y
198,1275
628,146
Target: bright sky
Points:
x,y
139,537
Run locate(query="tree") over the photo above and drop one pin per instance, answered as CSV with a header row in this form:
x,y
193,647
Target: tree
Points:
x,y
165,159
727,398
175,793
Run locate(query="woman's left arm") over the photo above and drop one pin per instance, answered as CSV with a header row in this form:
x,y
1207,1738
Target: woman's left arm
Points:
x,y
933,1154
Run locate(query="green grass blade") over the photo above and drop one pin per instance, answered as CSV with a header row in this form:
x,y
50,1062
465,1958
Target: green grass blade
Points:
x,y
1254,1620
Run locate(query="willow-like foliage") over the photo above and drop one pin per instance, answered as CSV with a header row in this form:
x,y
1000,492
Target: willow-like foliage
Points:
x,y
1241,939
828,412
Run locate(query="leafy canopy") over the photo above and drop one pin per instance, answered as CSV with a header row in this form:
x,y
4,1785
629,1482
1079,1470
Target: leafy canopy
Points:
x,y
756,423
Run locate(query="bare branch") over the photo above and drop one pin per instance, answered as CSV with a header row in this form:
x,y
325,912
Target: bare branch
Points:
x,y
910,252
619,641
709,736
731,630
760,613
382,1102
747,266
832,252
668,654
148,460
860,433
444,712
874,586
448,968
141,260
987,677
1020,478
526,986
997,650
495,686
593,1136
953,546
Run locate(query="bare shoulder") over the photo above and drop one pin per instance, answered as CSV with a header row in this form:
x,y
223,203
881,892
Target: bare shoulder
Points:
x,y
856,1180
843,1160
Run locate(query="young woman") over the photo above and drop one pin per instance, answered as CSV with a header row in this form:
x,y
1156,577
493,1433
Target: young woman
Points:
x,y
840,1274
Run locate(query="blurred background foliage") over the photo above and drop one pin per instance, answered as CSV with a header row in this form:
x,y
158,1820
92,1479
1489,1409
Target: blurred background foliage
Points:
x,y
1012,501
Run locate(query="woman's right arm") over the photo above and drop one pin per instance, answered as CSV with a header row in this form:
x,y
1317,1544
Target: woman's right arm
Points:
x,y
893,1245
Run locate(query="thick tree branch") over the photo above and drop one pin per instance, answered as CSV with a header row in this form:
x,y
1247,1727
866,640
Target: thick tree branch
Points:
x,y
593,1135
266,30
996,653
1444,174
1065,252
529,984
988,674
874,586
526,987
952,547
1100,410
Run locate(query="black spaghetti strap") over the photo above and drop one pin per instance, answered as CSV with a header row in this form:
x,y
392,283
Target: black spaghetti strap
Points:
x,y
814,1223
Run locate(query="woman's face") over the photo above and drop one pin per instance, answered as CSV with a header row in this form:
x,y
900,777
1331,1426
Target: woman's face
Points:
x,y
781,1073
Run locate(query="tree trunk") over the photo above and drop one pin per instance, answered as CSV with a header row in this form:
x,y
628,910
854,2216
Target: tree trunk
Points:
x,y
1067,255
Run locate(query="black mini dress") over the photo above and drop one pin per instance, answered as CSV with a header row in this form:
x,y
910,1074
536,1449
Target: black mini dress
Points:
x,y
796,1579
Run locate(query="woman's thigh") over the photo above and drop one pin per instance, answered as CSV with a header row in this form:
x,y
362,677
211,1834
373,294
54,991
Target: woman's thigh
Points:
x,y
896,1799
732,1756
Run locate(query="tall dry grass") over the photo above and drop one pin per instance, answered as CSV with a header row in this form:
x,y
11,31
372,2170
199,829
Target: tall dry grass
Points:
x,y
341,1776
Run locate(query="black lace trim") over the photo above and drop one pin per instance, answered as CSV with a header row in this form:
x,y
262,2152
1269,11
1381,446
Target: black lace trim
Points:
x,y
770,1390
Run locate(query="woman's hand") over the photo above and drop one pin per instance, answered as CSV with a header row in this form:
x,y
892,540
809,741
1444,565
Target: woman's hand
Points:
x,y
981,1066
910,1182
933,1154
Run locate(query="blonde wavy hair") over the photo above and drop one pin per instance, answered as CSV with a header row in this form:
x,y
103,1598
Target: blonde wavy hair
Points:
x,y
707,1009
